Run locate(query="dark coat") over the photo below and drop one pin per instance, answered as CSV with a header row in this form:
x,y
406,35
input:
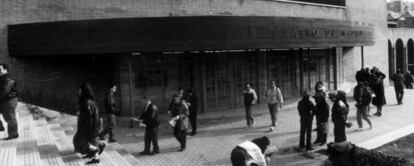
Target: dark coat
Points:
x,y
193,103
181,110
408,79
8,88
110,104
322,107
378,88
306,108
362,95
150,116
399,82
339,112
88,120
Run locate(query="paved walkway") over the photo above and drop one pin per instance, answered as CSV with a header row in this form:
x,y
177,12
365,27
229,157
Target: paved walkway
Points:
x,y
47,139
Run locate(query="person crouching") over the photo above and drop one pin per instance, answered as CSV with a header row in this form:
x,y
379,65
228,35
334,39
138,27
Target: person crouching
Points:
x,y
250,152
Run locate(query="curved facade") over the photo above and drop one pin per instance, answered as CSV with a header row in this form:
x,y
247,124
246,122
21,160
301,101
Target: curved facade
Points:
x,y
318,42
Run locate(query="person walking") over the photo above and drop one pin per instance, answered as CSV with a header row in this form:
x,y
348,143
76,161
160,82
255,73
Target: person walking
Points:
x,y
408,80
250,98
322,114
399,86
339,117
85,139
110,110
192,106
274,101
8,102
306,109
150,117
180,114
363,97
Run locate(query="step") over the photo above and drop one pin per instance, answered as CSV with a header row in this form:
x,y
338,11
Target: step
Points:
x,y
127,156
27,152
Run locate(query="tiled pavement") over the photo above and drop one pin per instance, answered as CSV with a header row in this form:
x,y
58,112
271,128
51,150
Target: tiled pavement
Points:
x,y
50,142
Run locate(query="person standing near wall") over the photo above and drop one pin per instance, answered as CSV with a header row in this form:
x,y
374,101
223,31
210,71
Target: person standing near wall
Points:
x,y
321,113
192,106
180,113
150,119
250,98
274,101
339,117
306,109
363,98
399,86
110,110
409,80
8,102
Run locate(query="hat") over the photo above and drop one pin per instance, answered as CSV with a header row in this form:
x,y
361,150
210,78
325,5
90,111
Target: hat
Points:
x,y
307,93
332,94
341,94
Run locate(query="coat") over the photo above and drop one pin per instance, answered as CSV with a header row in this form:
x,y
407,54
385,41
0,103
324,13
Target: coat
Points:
x,y
339,112
88,120
378,88
110,104
180,110
322,107
306,109
8,88
150,117
362,95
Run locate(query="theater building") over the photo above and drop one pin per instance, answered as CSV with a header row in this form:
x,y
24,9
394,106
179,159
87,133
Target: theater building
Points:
x,y
213,47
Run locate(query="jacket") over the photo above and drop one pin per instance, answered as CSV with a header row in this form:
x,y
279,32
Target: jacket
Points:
x,y
8,88
306,108
322,107
180,110
339,112
110,104
88,120
362,95
150,116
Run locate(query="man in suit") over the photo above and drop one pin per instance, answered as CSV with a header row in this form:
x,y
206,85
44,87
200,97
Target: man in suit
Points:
x,y
8,102
179,112
150,119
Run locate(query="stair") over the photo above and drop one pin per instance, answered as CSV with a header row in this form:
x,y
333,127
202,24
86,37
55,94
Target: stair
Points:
x,y
43,143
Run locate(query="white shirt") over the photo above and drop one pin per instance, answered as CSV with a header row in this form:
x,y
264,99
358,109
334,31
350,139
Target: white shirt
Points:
x,y
255,152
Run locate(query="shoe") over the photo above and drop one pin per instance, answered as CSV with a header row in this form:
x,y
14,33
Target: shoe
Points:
x,y
370,127
309,149
181,149
112,140
253,123
322,143
316,142
101,147
271,128
145,153
359,129
91,154
193,133
101,138
376,114
155,152
93,161
11,137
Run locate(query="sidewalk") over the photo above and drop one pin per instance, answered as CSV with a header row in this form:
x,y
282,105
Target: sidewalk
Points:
x,y
220,132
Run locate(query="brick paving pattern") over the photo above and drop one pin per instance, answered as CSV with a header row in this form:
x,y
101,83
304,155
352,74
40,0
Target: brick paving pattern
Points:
x,y
49,141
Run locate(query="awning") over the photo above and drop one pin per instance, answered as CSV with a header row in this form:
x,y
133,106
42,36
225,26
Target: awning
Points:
x,y
126,35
